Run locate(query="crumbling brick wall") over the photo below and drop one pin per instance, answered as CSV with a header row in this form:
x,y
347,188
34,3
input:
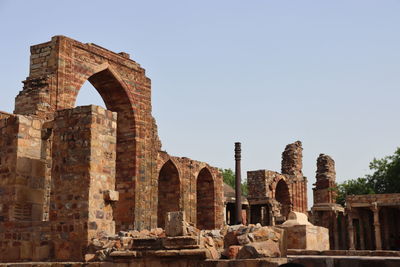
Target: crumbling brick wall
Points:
x,y
21,168
324,190
57,162
58,70
289,188
194,177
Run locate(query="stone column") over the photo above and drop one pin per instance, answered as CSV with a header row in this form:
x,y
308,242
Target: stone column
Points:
x,y
350,230
362,235
238,183
377,227
225,221
386,228
343,231
368,233
335,231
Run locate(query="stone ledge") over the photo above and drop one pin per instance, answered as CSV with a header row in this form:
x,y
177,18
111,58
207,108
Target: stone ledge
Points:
x,y
191,253
372,253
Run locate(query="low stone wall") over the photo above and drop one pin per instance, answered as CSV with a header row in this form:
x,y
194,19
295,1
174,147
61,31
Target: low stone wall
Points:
x,y
27,241
306,261
356,253
345,261
165,262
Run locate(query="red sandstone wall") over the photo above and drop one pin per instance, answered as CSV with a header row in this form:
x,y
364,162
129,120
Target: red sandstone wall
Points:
x,y
58,70
264,183
22,168
84,149
189,171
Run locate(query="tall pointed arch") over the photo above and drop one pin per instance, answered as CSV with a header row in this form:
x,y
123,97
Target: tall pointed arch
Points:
x,y
205,199
115,96
169,192
282,195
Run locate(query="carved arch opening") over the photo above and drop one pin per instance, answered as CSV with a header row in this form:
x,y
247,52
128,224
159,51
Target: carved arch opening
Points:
x,y
169,192
282,195
205,199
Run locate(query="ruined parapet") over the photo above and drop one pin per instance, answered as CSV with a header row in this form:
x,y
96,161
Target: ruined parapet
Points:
x,y
257,184
325,211
292,159
22,168
324,191
325,168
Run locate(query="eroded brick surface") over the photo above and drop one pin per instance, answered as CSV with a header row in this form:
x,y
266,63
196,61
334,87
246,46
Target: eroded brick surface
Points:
x,y
77,173
273,195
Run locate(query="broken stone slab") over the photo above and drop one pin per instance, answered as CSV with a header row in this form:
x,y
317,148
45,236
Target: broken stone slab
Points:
x,y
243,239
230,239
175,224
231,252
264,249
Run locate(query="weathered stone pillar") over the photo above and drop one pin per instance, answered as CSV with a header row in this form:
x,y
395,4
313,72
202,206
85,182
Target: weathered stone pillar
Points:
x,y
368,235
343,231
362,234
386,228
225,221
377,226
335,231
350,230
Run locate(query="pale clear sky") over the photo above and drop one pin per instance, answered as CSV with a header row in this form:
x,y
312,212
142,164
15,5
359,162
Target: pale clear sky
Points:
x,y
265,73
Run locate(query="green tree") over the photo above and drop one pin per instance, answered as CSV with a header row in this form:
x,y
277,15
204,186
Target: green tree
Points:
x,y
385,178
359,186
229,178
386,175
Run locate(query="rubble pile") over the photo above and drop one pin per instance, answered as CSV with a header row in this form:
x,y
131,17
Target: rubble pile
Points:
x,y
101,248
183,239
253,241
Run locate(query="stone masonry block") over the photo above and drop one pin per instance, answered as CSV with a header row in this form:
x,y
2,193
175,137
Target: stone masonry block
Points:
x,y
175,224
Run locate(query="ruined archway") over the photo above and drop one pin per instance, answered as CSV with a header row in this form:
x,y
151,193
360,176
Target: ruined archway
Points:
x,y
168,191
116,99
205,199
282,195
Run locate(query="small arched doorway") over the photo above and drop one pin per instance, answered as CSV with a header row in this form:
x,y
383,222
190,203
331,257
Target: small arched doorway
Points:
x,y
168,191
205,199
283,197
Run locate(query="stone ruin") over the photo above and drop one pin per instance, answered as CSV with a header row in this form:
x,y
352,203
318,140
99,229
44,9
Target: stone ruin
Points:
x,y
272,195
70,174
87,184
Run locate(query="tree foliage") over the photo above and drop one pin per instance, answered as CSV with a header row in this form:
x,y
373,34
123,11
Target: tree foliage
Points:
x,y
385,178
229,178
359,186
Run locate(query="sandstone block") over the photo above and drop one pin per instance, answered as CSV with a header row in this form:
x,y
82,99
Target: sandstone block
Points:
x,y
308,237
269,249
231,252
175,224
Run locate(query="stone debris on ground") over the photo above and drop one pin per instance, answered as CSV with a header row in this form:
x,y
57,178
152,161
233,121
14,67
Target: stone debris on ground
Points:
x,y
253,241
230,242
